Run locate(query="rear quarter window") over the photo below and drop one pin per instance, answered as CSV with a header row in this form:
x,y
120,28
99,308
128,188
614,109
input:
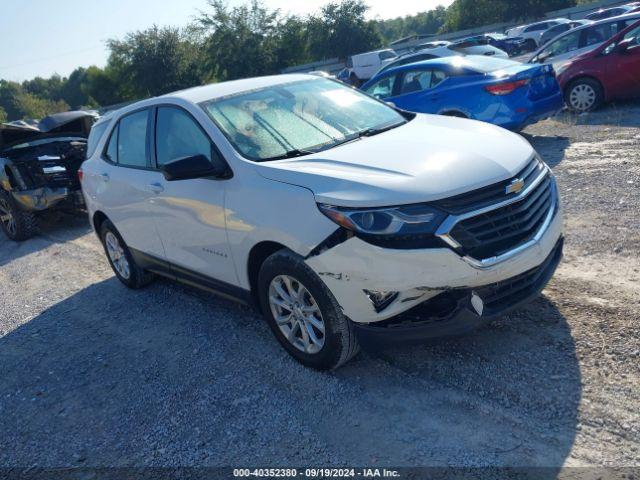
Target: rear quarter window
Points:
x,y
97,131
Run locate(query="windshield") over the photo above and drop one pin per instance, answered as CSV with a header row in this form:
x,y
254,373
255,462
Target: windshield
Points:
x,y
298,118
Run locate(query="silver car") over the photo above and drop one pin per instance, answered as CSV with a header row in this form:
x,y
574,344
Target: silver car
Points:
x,y
581,39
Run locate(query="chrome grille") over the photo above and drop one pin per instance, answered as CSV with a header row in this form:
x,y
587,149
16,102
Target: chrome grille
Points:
x,y
496,232
491,194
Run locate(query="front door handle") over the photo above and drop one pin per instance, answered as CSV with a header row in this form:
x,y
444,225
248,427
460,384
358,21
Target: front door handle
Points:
x,y
104,177
155,187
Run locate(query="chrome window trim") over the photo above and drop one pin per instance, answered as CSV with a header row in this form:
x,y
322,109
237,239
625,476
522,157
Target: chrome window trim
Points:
x,y
451,221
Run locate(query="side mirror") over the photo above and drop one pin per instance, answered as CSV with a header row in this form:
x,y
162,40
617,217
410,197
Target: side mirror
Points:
x,y
195,166
624,45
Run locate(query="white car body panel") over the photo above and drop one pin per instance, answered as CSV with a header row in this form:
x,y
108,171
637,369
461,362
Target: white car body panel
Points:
x,y
488,50
365,65
536,34
210,226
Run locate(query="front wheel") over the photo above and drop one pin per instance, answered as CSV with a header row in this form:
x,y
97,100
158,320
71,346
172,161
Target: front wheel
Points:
x,y
303,314
584,95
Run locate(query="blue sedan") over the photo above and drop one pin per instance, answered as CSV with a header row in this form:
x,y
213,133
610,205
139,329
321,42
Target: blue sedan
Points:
x,y
505,93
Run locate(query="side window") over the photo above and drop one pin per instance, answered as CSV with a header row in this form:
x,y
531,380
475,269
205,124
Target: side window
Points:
x,y
437,78
566,44
415,81
537,28
634,36
178,135
132,140
97,131
599,33
111,154
382,88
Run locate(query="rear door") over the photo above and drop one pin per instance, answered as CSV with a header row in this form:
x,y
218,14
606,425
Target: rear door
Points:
x,y
123,182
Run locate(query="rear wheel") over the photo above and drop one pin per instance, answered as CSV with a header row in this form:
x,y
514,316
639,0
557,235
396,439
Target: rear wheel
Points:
x,y
303,314
120,258
584,95
17,224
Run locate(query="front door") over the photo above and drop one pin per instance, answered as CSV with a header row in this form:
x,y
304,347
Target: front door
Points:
x,y
190,214
625,82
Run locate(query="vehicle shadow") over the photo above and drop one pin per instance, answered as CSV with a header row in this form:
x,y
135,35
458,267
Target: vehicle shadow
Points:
x,y
53,228
170,376
551,149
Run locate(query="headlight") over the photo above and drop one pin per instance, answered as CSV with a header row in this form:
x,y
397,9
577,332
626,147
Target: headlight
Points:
x,y
410,226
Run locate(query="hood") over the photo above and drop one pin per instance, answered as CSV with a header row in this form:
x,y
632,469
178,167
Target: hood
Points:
x,y
76,123
430,158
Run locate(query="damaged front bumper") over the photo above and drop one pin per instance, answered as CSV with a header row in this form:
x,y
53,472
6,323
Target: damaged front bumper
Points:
x,y
353,269
457,312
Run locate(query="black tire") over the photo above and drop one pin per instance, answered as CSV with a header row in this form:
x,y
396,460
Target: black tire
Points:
x,y
340,343
354,80
137,277
17,224
587,85
530,45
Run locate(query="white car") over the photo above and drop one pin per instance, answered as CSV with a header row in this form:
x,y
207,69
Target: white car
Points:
x,y
364,65
533,32
342,218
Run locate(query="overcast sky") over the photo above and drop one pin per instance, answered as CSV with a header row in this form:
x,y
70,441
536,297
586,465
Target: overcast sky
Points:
x,y
42,37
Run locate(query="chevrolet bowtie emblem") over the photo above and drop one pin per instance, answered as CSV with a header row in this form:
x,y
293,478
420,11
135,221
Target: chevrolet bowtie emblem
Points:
x,y
515,186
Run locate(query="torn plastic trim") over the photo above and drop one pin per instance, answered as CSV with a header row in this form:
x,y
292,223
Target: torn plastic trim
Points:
x,y
341,235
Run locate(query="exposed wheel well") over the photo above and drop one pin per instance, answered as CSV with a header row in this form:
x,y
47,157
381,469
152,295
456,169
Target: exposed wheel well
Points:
x,y
259,253
98,220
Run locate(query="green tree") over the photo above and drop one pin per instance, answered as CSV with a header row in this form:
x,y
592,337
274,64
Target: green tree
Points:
x,y
3,115
342,30
463,14
9,93
155,61
242,41
31,106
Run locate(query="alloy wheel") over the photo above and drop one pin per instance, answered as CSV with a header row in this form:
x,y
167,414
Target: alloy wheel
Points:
x,y
117,255
7,218
582,97
297,314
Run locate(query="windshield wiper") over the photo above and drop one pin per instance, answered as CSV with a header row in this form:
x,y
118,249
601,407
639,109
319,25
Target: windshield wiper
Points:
x,y
289,154
370,132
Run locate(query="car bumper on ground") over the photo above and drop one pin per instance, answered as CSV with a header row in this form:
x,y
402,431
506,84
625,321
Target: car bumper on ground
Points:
x,y
354,270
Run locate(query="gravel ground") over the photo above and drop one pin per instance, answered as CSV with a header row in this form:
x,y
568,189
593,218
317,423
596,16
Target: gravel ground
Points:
x,y
93,374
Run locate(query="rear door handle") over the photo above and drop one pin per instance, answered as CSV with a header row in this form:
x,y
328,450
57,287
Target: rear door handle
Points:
x,y
104,177
155,187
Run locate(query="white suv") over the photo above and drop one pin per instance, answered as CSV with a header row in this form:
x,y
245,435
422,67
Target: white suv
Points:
x,y
340,217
